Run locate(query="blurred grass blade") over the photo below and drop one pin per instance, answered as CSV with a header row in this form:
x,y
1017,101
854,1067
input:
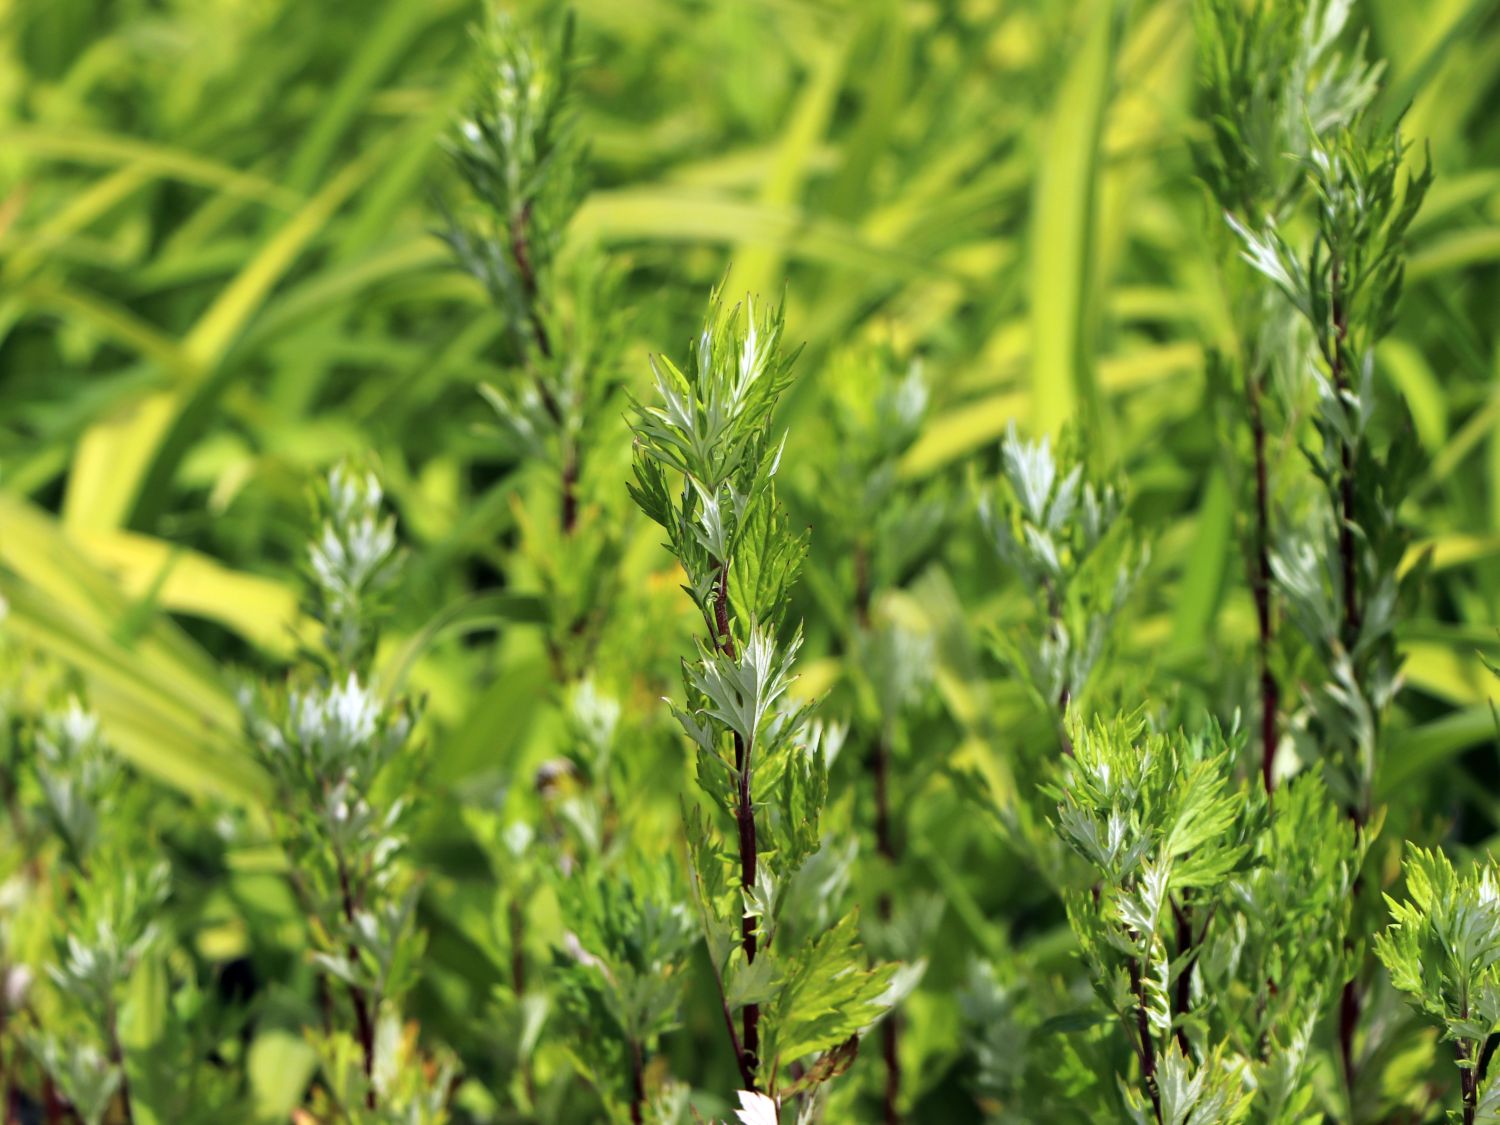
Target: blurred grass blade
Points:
x,y
472,613
112,457
129,456
1207,569
216,330
160,698
389,33
675,215
1417,752
105,149
111,321
1408,369
493,733
758,263
1399,94
1063,230
260,610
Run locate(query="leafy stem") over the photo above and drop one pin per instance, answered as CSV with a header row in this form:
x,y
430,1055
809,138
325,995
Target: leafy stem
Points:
x,y
885,845
747,1071
1260,585
637,1082
1335,354
364,1027
117,1057
520,248
745,828
1142,1037
1467,1078
541,341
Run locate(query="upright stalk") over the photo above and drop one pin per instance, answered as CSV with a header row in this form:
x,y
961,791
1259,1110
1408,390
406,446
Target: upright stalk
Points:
x,y
364,1027
1067,539
1346,289
705,468
1186,954
885,847
1260,585
1430,951
1338,373
521,157
745,826
1467,1079
1350,1002
637,1083
117,1057
520,225
1146,1049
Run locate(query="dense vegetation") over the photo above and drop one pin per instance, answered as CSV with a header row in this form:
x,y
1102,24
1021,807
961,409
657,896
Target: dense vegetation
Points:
x,y
791,561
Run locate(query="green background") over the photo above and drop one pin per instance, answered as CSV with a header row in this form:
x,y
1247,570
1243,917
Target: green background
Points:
x,y
218,277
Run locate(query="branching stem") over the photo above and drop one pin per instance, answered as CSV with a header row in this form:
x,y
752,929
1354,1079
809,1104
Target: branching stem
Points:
x,y
885,845
1334,354
364,1026
1064,693
1467,1077
117,1057
1186,952
1270,690
1147,1049
520,246
637,1083
747,1073
1338,371
745,824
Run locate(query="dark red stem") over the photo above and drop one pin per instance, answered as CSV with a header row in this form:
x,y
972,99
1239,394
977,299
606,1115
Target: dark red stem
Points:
x,y
745,824
364,1026
1270,690
1143,1031
1185,980
885,845
117,1056
520,244
890,1044
637,1084
1348,558
1468,1078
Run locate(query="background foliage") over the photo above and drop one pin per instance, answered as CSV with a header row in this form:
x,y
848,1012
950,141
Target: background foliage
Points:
x,y
219,278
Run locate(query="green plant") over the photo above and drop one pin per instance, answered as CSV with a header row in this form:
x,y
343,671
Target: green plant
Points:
x,y
874,529
1338,568
522,162
1441,950
337,748
705,470
112,898
1066,539
1276,88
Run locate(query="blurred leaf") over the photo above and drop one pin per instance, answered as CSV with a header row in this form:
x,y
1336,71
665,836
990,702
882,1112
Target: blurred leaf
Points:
x,y
280,1066
1063,294
127,458
109,149
160,699
262,611
1201,587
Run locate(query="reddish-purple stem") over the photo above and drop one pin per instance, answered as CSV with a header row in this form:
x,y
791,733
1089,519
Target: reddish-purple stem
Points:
x,y
745,824
1270,690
